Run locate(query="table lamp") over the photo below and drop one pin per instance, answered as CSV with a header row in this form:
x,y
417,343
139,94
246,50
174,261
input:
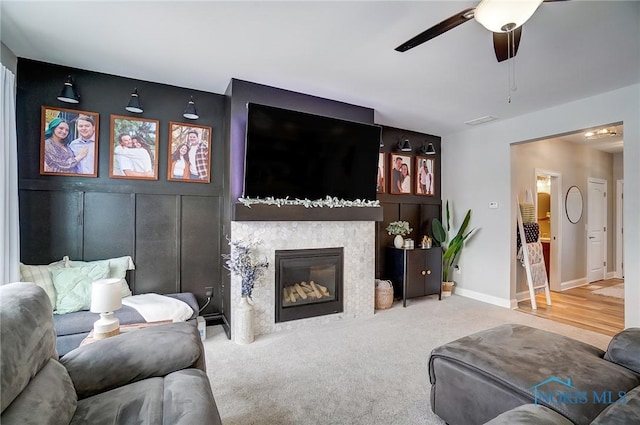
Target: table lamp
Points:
x,y
105,298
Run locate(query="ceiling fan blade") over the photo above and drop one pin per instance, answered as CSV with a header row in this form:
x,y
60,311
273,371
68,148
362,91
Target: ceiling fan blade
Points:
x,y
501,45
436,30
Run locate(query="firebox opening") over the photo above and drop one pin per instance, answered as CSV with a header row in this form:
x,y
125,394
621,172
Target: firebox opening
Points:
x,y
309,283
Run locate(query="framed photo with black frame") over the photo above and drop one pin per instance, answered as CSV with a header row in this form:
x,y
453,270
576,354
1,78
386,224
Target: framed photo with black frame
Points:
x,y
69,142
425,176
134,148
400,171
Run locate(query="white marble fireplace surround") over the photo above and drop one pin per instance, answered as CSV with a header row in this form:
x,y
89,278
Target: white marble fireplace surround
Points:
x,y
358,240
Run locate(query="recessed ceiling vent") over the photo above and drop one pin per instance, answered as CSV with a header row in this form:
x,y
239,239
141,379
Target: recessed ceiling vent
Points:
x,y
481,120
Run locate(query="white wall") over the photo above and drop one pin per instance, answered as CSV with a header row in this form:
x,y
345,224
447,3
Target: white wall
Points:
x,y
476,170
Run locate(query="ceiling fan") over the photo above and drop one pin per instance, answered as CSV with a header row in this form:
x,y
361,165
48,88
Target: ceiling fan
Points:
x,y
502,17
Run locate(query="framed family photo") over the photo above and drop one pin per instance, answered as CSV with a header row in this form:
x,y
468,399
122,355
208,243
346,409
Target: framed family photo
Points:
x,y
133,148
400,174
69,142
189,159
380,180
425,176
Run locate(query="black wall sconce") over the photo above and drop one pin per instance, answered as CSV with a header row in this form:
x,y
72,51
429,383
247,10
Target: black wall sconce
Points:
x,y
404,145
190,111
68,93
134,103
428,149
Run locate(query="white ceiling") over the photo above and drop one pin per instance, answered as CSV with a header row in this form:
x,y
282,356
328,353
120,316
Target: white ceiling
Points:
x,y
342,50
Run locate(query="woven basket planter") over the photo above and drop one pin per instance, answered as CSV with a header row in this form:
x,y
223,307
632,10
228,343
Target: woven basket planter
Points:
x,y
384,294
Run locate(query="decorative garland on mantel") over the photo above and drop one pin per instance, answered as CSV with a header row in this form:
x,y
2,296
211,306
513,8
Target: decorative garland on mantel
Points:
x,y
328,202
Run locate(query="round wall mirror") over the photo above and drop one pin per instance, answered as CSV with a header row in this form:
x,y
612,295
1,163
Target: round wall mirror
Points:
x,y
573,204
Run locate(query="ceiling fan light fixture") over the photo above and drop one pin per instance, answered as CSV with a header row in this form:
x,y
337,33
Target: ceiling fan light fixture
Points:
x,y
505,15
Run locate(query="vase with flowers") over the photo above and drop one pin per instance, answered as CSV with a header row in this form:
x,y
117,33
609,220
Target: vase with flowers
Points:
x,y
399,229
241,263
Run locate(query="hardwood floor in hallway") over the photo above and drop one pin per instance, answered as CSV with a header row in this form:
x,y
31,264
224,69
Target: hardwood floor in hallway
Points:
x,y
582,308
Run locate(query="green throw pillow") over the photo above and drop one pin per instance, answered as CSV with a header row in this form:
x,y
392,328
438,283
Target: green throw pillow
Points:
x,y
41,276
73,286
117,269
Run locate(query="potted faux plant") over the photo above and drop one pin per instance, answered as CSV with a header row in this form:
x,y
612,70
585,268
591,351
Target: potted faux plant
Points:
x,y
399,229
241,263
451,247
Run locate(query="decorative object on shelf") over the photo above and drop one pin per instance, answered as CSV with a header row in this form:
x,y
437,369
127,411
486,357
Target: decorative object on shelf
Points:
x,y
425,181
134,148
240,262
181,138
426,242
399,228
69,142
134,103
329,202
400,174
69,93
190,111
105,299
450,247
384,294
408,244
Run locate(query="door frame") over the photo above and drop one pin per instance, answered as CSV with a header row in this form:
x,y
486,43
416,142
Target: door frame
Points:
x,y
619,272
556,199
605,233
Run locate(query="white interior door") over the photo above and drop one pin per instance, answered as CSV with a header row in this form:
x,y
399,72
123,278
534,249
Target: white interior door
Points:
x,y
596,230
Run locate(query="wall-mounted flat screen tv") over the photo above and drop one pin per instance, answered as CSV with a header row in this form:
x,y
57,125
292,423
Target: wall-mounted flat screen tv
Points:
x,y
300,155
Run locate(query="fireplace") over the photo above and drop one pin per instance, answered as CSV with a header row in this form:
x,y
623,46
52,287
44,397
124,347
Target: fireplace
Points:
x,y
308,283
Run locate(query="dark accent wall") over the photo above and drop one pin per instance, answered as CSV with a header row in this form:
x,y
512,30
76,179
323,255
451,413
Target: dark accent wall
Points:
x,y
171,229
418,210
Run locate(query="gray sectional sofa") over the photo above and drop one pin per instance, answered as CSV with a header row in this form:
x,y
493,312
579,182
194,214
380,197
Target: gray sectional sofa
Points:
x,y
514,374
146,377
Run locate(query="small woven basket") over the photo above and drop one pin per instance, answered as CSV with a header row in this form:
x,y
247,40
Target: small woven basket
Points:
x,y
384,294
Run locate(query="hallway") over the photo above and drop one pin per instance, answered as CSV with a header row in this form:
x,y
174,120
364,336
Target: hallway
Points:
x,y
582,308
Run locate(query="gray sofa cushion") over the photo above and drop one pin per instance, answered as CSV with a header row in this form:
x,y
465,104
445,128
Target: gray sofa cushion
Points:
x,y
625,412
512,360
25,327
176,346
624,349
180,398
48,399
530,414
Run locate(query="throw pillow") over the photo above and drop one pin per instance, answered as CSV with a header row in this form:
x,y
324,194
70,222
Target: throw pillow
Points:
x,y
73,286
41,276
117,269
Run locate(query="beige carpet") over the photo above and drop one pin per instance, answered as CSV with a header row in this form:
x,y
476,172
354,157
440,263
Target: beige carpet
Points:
x,y
358,371
616,291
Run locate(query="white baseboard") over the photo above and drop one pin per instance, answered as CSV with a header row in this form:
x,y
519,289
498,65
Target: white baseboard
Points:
x,y
500,302
611,275
573,283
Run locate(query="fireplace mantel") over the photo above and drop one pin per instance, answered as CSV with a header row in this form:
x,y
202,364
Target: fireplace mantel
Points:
x,y
260,212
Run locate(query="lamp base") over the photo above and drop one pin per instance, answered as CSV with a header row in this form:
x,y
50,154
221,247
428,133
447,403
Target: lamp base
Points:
x,y
105,327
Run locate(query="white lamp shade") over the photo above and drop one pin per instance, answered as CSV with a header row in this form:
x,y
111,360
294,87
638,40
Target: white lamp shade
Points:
x,y
105,295
495,14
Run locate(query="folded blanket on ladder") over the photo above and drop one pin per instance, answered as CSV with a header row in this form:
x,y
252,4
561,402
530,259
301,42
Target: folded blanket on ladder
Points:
x,y
155,307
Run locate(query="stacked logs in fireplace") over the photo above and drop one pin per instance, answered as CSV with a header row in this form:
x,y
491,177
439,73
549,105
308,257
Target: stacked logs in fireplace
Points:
x,y
303,291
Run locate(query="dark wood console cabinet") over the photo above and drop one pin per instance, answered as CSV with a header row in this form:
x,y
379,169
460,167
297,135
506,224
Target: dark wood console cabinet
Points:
x,y
415,272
